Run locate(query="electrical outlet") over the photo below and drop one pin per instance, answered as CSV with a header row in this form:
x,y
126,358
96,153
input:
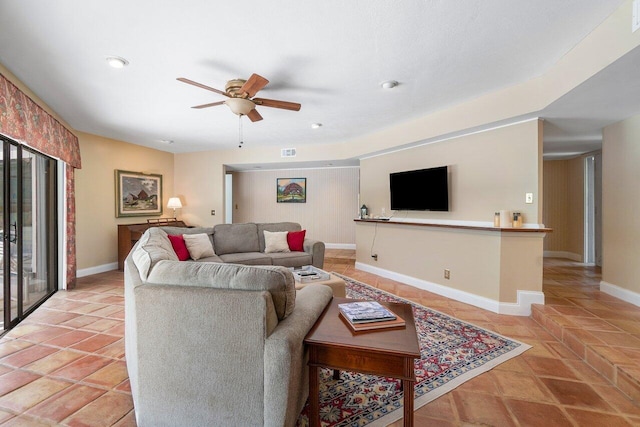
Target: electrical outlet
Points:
x,y
528,198
447,274
213,211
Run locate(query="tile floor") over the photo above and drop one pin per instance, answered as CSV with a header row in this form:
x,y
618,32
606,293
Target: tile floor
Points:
x,y
64,365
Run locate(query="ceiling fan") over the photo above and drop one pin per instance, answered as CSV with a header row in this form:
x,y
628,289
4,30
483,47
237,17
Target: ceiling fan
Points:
x,y
240,94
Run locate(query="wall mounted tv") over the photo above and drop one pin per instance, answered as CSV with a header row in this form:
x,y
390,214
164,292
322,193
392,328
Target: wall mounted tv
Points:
x,y
420,190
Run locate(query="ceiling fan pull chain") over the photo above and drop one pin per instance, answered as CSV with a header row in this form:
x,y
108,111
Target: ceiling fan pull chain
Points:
x,y
240,131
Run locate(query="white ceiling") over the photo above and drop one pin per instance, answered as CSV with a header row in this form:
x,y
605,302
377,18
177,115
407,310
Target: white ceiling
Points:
x,y
329,56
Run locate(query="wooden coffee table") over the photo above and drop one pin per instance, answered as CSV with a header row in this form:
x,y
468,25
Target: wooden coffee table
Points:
x,y
384,352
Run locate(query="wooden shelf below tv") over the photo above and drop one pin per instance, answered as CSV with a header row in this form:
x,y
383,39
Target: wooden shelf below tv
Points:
x,y
458,226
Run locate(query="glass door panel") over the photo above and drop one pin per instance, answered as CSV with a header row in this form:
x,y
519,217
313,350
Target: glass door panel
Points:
x,y
28,255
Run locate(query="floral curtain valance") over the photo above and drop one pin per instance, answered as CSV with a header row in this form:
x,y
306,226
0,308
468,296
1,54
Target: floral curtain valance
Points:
x,y
25,121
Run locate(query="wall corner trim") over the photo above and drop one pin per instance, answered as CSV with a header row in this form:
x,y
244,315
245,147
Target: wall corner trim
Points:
x,y
621,293
520,308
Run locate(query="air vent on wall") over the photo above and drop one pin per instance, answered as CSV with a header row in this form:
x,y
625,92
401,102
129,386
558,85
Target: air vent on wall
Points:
x,y
288,152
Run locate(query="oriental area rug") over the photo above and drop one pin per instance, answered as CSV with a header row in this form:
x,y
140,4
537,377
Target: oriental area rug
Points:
x,y
452,352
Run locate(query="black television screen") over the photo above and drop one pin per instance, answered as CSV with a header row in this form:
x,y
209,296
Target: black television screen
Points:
x,y
420,190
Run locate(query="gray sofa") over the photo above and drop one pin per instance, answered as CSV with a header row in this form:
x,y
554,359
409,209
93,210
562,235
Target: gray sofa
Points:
x,y
211,344
244,243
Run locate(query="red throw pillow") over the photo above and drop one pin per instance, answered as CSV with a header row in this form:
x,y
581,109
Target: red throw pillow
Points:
x,y
295,239
179,247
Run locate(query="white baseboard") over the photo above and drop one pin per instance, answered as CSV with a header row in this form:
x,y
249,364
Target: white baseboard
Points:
x,y
340,246
97,269
562,254
621,293
520,308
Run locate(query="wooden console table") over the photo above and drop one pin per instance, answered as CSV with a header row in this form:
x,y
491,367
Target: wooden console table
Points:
x,y
129,234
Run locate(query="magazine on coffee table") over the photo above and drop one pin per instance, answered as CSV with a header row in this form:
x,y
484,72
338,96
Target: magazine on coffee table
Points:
x,y
365,312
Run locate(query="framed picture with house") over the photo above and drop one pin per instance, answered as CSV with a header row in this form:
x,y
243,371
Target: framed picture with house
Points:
x,y
138,194
291,190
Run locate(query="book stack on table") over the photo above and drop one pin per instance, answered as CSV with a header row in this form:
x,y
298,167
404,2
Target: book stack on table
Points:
x,y
369,315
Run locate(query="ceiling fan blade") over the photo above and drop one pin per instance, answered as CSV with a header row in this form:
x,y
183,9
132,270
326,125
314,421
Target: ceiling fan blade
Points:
x,y
254,116
213,104
200,85
293,106
253,85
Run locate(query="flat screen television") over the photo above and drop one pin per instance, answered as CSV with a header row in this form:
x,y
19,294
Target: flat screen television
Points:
x,y
420,190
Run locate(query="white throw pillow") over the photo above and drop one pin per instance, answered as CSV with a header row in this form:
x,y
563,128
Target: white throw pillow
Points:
x,y
198,245
275,241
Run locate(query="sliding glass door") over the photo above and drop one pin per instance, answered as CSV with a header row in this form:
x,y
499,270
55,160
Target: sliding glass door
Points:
x,y
28,255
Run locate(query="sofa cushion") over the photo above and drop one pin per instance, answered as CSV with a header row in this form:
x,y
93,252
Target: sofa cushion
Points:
x,y
247,258
275,226
179,246
295,239
278,281
234,238
190,230
153,246
199,245
275,241
291,259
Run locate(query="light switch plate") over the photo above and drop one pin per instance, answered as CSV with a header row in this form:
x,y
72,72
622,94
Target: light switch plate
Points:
x,y
528,198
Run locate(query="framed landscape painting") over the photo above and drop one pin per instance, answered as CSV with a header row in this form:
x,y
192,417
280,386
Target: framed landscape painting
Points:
x,y
291,190
138,194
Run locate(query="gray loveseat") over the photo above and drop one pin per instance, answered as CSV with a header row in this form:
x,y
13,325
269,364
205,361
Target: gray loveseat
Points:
x,y
210,344
244,243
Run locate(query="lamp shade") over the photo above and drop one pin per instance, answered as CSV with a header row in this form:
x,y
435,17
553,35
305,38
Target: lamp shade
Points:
x,y
174,203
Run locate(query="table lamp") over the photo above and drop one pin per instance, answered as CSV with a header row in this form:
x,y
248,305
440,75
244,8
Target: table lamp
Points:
x,y
174,203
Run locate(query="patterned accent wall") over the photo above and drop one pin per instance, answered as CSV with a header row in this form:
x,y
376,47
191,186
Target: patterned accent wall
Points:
x,y
332,201
25,121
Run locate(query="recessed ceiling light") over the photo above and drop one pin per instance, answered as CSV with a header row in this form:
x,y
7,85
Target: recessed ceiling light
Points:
x,y
316,125
389,84
117,62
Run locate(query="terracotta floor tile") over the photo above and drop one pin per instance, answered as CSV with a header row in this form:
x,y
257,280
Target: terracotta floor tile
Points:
x,y
65,403
14,380
545,366
587,418
12,346
115,350
109,376
618,339
480,408
24,329
45,334
519,386
128,420
28,355
4,415
533,414
70,338
26,421
102,325
575,394
94,343
54,361
80,321
102,412
81,368
51,317
31,394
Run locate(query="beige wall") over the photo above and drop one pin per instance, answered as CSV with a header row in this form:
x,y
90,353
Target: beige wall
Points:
x,y
96,225
489,171
332,201
621,204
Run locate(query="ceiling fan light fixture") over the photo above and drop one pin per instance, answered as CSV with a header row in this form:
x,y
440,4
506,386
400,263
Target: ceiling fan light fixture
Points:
x,y
240,106
117,62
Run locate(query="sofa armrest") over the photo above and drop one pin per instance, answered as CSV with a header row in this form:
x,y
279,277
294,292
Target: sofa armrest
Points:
x,y
285,367
316,249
